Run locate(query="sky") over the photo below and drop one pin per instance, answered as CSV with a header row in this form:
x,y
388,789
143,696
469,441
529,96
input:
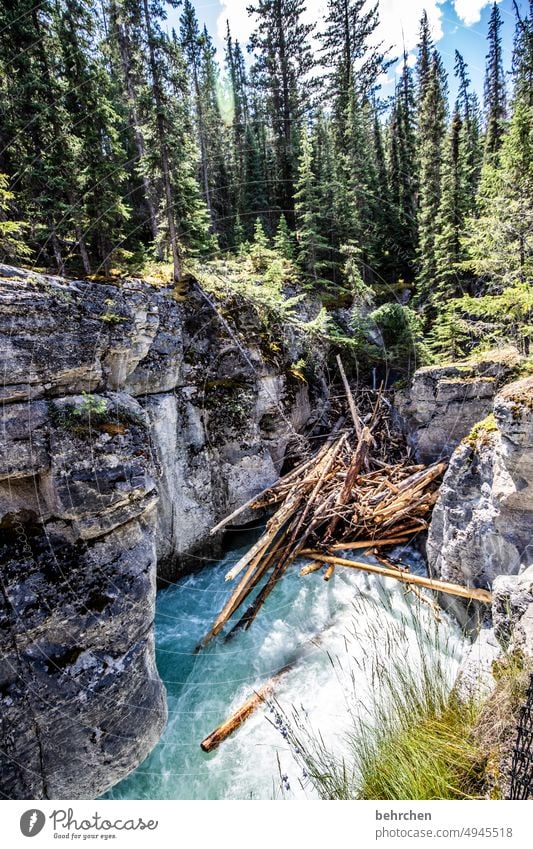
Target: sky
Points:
x,y
456,25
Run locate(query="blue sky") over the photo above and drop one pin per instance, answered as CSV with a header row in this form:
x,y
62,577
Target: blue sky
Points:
x,y
456,24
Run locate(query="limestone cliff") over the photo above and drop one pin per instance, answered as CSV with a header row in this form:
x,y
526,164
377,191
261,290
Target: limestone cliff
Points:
x,y
444,402
133,419
481,524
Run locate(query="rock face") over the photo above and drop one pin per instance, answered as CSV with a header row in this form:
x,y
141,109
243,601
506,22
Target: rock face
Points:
x,y
132,420
481,523
444,402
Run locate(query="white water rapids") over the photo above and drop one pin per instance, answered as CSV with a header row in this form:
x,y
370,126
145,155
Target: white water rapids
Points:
x,y
203,689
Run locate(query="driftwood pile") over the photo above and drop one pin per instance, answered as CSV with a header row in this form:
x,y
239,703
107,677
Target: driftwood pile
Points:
x,y
345,497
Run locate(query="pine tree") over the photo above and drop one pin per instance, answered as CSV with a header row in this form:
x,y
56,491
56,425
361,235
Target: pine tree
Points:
x,y
283,68
36,150
350,54
523,57
254,181
283,240
495,95
310,242
98,210
125,48
467,104
332,212
239,97
450,221
431,130
403,182
424,58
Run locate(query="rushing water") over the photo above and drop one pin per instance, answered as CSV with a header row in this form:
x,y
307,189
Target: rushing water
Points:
x,y
203,689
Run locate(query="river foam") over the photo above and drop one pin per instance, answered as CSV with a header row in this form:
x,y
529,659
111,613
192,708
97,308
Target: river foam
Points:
x,y
337,629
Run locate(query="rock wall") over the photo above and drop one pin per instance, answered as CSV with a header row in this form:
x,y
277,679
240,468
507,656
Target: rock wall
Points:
x,y
132,420
481,523
443,403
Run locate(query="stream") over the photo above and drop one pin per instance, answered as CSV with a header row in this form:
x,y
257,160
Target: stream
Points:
x,y
356,617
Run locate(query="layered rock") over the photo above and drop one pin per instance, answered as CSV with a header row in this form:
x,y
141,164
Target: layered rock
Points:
x,y
80,698
443,403
481,523
132,420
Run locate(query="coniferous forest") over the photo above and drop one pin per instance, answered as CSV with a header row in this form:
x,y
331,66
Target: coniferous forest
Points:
x,y
127,147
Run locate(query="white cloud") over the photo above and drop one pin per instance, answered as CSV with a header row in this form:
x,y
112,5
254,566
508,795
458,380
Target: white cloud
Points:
x,y
469,11
240,23
399,20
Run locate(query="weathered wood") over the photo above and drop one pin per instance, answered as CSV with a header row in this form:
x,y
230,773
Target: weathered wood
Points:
x,y
406,577
230,725
328,574
349,397
367,543
346,497
311,567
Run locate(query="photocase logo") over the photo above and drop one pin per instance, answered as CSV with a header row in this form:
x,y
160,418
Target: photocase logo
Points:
x,y
32,822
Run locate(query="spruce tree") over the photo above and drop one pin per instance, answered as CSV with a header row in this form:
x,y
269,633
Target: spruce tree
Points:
x,y
494,90
523,57
350,54
98,210
431,130
35,145
283,66
124,41
403,180
283,240
453,206
467,104
311,244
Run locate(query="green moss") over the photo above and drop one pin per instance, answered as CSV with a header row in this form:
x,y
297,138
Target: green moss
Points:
x,y
481,432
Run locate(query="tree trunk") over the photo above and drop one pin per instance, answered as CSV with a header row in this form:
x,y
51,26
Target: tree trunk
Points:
x,y
165,167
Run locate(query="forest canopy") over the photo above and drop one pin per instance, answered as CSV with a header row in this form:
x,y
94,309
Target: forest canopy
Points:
x,y
125,144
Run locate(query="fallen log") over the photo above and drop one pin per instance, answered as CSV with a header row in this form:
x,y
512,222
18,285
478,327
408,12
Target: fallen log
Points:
x,y
349,397
368,543
360,491
418,580
225,729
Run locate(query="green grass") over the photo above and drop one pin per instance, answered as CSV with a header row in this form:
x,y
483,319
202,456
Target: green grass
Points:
x,y
411,738
429,752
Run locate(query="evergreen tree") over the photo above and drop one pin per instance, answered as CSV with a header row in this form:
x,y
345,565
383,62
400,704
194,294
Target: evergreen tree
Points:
x,y
12,245
283,68
451,216
468,107
199,53
523,57
283,240
495,95
424,60
172,153
254,181
350,54
125,48
96,193
431,130
35,148
239,98
332,204
403,181
311,244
